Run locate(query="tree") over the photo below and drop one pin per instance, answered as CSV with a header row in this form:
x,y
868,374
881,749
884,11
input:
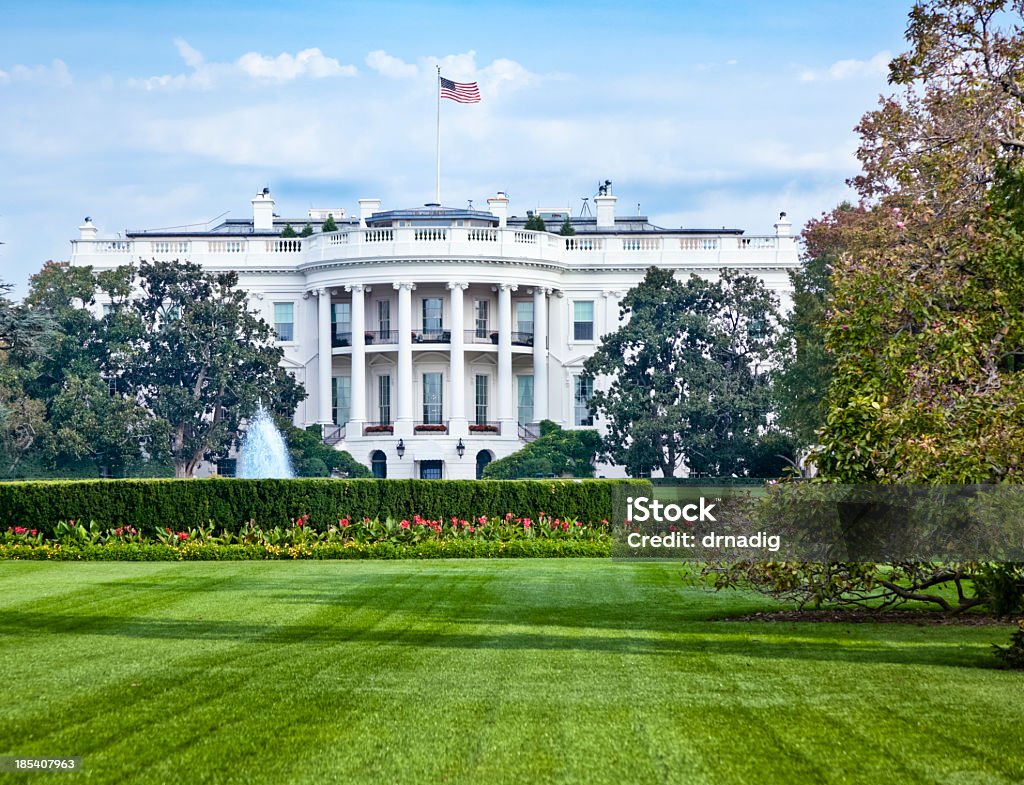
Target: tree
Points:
x,y
288,231
534,223
688,374
556,452
307,230
312,458
805,366
329,225
188,349
925,322
567,229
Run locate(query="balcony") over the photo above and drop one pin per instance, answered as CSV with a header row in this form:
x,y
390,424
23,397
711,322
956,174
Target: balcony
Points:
x,y
381,336
484,428
339,339
492,337
431,336
378,429
665,249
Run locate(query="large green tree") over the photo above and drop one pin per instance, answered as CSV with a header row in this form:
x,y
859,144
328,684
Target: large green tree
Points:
x,y
687,374
185,345
926,318
556,452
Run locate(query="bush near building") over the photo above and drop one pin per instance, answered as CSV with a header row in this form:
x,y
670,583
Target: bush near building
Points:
x,y
156,505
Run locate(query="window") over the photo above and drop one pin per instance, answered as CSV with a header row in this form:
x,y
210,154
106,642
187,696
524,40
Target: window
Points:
x,y
341,319
524,318
583,320
584,391
481,399
524,398
432,404
227,467
112,386
384,318
384,400
480,313
430,470
341,405
379,465
432,314
284,321
108,308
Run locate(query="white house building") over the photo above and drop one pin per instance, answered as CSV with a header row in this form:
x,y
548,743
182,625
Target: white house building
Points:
x,y
433,340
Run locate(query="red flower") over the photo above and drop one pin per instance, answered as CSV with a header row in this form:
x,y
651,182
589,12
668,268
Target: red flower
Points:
x,y
404,524
182,535
482,520
343,522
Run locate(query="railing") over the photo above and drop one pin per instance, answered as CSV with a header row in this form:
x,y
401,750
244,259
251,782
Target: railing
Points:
x,y
431,336
378,428
382,336
431,234
453,241
641,244
527,433
341,339
584,244
287,245
485,428
332,434
422,426
481,336
522,339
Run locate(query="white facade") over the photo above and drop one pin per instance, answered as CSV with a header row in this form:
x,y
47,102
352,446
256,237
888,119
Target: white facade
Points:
x,y
439,328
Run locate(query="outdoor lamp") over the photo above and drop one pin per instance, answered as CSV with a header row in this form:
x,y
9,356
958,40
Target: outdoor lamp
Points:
x,y
401,447
460,448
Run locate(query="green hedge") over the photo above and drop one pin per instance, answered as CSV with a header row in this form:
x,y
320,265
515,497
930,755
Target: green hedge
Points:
x,y
150,504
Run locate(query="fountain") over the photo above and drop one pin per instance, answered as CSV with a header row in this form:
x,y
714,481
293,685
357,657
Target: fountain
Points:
x,y
264,452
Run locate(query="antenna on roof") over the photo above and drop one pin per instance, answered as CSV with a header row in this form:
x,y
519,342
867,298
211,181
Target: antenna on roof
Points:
x,y
470,204
585,207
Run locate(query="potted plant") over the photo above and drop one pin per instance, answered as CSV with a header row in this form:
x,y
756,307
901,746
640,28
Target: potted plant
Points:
x,y
494,338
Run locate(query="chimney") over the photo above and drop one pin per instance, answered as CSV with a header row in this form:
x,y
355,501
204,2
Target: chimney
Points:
x,y
498,205
263,211
367,207
783,226
605,204
88,230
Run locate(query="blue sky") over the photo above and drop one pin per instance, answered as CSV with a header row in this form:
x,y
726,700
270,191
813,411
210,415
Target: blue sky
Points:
x,y
163,114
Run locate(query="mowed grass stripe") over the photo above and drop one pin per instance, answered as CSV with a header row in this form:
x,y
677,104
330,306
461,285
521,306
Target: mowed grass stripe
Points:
x,y
472,671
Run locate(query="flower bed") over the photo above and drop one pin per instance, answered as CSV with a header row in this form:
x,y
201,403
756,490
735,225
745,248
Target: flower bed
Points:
x,y
388,538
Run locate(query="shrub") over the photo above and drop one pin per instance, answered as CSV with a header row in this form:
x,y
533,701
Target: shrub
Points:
x,y
154,505
1013,655
329,225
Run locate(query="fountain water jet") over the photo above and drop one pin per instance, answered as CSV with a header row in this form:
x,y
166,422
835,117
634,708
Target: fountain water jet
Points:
x,y
264,452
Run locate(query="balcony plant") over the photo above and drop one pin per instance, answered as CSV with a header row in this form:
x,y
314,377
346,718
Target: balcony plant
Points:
x,y
431,428
494,338
388,428
483,428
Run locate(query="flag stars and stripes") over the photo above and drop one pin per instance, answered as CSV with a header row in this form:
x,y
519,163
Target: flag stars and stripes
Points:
x,y
463,92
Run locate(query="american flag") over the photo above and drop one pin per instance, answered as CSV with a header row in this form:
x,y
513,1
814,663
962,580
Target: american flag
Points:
x,y
463,92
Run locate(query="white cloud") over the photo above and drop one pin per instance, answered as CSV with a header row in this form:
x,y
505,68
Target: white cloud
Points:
x,y
285,67
311,63
850,69
390,66
56,73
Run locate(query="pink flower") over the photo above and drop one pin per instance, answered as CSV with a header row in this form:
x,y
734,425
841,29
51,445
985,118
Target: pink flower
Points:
x,y
565,526
343,522
404,524
482,520
508,516
526,524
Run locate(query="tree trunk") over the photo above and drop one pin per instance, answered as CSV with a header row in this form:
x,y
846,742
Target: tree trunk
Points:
x,y
181,469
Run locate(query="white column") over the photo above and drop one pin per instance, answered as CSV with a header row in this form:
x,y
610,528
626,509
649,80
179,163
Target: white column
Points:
x,y
540,354
457,425
508,424
324,355
403,423
358,413
611,312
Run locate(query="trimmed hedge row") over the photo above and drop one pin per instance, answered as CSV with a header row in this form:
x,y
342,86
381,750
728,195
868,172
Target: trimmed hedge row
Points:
x,y
156,504
431,549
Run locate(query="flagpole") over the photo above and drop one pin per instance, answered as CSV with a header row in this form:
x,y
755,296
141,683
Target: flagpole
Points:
x,y
437,88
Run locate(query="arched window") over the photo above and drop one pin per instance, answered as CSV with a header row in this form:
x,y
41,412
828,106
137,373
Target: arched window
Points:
x,y
379,464
483,458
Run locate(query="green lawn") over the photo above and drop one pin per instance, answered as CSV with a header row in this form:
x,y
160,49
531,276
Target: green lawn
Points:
x,y
479,672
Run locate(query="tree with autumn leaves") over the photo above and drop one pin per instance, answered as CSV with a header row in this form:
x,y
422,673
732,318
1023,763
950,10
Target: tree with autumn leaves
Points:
x,y
926,317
